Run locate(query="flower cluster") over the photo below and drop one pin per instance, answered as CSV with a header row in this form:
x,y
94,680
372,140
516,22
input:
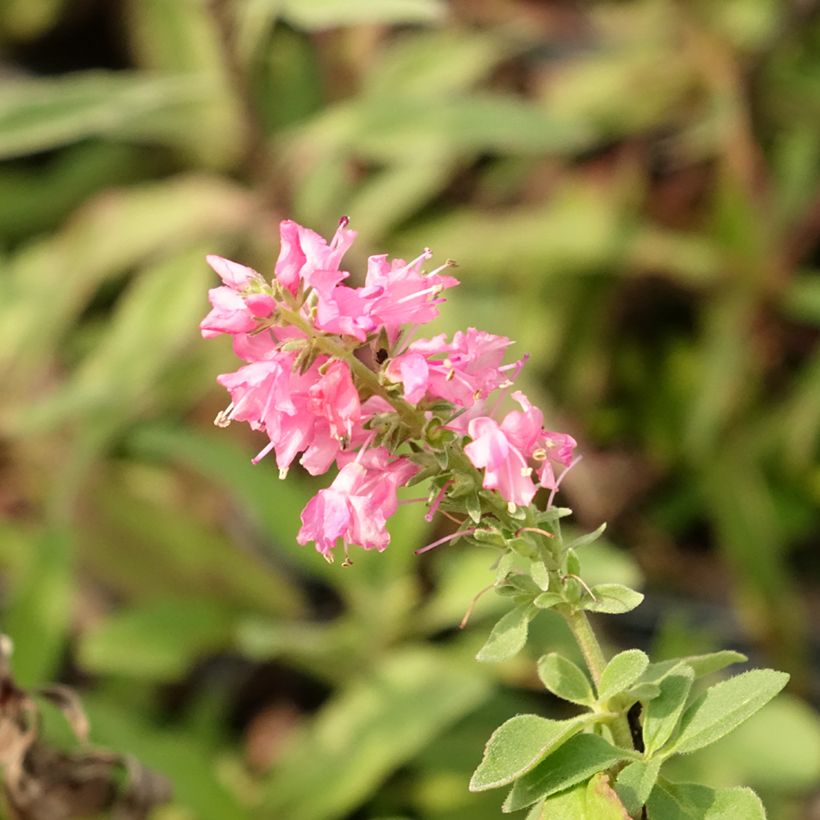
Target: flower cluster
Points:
x,y
332,375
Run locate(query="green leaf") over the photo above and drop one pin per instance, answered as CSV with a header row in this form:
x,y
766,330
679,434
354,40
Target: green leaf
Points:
x,y
547,600
508,636
593,800
726,705
36,115
578,759
564,679
713,661
367,730
587,538
621,672
323,14
635,783
701,665
518,745
540,574
691,801
36,620
663,712
158,641
613,599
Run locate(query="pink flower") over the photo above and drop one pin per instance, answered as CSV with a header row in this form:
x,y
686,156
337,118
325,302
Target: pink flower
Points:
x,y
346,311
303,252
505,467
235,309
401,294
357,504
462,371
334,397
553,447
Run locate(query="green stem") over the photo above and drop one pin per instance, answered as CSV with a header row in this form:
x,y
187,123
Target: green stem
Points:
x,y
591,650
409,415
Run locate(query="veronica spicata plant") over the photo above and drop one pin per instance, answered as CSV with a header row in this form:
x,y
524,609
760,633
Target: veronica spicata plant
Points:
x,y
337,376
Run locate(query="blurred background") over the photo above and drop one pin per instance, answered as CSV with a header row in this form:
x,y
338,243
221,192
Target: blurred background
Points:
x,y
631,192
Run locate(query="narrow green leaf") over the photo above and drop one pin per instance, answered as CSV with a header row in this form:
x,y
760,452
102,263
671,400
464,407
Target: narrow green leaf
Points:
x,y
635,783
578,759
613,599
139,643
713,661
367,730
663,713
36,115
520,744
621,672
726,705
36,619
587,538
323,14
692,801
508,636
564,679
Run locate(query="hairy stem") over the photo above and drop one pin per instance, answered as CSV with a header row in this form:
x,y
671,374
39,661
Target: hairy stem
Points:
x,y
591,650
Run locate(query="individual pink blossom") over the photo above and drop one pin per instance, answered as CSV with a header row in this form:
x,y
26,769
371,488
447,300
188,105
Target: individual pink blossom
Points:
x,y
235,305
553,448
345,311
304,252
357,504
505,467
334,397
462,371
401,294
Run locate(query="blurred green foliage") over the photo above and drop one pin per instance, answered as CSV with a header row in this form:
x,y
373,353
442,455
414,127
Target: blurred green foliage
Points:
x,y
630,189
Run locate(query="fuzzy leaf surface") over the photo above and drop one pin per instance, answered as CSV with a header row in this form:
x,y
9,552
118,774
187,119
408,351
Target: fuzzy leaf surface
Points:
x,y
564,679
635,783
508,636
578,759
621,672
725,706
691,801
663,712
613,599
520,744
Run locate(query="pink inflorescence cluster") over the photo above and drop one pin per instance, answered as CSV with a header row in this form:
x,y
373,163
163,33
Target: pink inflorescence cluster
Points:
x,y
333,373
